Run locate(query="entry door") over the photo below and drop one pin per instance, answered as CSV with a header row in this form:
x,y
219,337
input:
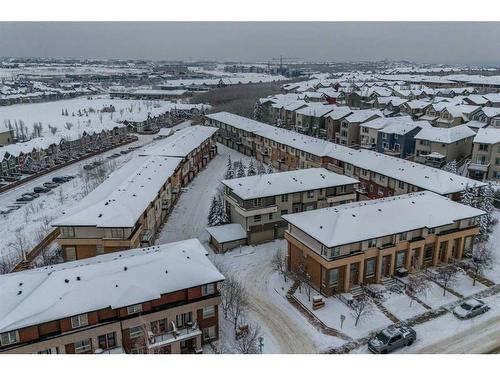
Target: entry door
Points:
x,y
354,273
386,266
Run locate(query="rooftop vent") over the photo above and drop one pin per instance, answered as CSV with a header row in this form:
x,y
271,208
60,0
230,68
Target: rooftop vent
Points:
x,y
100,215
78,278
66,281
125,268
18,293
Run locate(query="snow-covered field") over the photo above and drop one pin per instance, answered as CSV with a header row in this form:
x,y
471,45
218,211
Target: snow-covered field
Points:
x,y
401,306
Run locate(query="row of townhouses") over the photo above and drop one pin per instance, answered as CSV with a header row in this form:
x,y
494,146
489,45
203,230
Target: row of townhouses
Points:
x,y
127,209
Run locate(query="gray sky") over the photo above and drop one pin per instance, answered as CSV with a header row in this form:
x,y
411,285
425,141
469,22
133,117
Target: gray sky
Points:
x,y
443,42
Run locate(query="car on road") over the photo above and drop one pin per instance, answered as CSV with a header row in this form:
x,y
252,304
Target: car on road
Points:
x,y
7,211
470,308
34,195
392,338
41,189
60,179
25,198
50,185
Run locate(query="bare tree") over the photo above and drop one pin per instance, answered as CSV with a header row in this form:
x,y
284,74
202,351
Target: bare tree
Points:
x,y
248,343
239,303
227,294
481,259
361,308
447,275
20,245
418,285
279,263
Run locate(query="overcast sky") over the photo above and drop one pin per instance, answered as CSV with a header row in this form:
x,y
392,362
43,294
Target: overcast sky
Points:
x,y
338,41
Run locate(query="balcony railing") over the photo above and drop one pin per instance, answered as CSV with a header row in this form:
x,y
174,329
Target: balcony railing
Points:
x,y
167,338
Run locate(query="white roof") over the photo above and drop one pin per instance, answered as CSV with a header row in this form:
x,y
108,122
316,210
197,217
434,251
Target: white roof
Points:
x,y
112,280
339,112
182,142
227,233
315,110
445,135
122,198
353,222
488,135
268,185
361,115
396,125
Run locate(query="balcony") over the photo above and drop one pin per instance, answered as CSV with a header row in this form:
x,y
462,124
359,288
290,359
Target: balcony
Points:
x,y
479,166
167,338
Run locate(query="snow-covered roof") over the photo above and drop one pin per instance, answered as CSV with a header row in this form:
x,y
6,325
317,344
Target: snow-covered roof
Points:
x,y
445,135
339,112
487,135
268,185
361,115
182,142
112,280
227,233
396,125
416,174
315,110
122,198
354,222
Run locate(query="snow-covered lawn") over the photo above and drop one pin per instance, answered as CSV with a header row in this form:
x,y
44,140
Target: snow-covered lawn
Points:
x,y
494,273
434,296
334,308
398,304
463,285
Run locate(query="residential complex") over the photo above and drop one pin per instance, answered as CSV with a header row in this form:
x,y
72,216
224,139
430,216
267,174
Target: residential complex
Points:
x,y
160,299
365,242
485,162
127,209
258,202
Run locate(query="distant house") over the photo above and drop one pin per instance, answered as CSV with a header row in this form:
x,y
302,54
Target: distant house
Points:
x,y
437,146
456,115
349,126
310,120
333,120
397,138
485,161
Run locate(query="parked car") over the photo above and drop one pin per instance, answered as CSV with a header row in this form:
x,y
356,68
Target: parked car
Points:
x,y
34,195
59,179
6,211
25,198
41,189
50,185
470,308
392,338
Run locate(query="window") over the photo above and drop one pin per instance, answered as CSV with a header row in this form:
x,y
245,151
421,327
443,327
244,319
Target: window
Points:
x,y
135,332
181,320
134,309
82,346
8,338
401,184
341,189
483,147
257,202
310,194
333,277
107,341
257,218
54,350
208,312
334,252
68,231
372,243
396,146
207,289
370,267
70,254
270,216
116,232
431,230
284,212
159,326
402,236
209,333
79,321
284,197
428,253
400,259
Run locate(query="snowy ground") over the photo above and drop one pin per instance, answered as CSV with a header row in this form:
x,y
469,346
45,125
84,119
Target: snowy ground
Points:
x,y
402,306
28,221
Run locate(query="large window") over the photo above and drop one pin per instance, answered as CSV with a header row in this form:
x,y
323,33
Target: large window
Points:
x,y
284,197
370,267
134,309
135,332
182,319
209,333
107,341
207,289
117,233
8,338
334,252
257,218
333,277
79,321
400,259
82,346
159,326
68,231
208,312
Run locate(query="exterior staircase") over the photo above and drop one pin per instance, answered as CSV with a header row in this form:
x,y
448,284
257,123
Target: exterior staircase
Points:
x,y
357,291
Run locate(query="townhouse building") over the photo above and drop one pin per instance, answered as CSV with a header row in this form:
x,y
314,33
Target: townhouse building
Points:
x,y
333,120
487,116
438,146
415,108
398,139
310,120
160,299
349,126
127,209
258,202
380,175
360,243
485,160
456,115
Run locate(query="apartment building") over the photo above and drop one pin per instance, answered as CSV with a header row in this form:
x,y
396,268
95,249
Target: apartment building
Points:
x,y
258,202
485,161
361,243
380,175
160,299
438,146
350,126
127,209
